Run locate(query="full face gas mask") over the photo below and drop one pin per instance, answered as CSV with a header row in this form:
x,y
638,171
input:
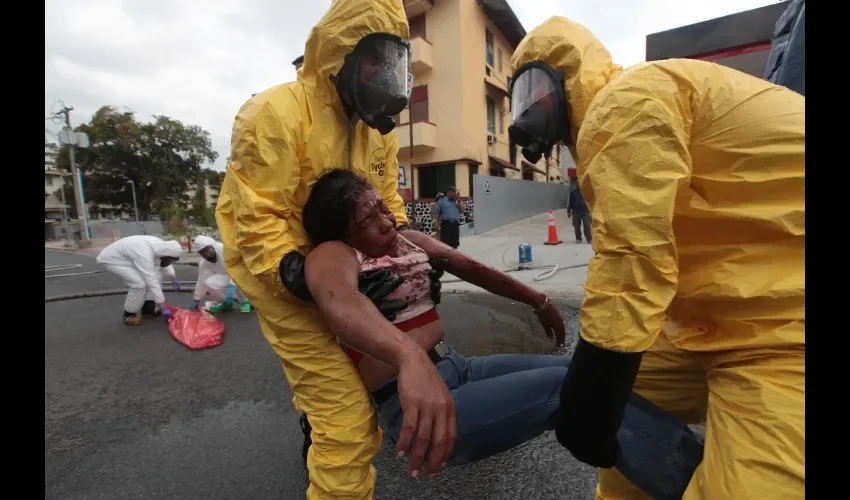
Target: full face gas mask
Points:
x,y
208,253
167,261
538,110
374,79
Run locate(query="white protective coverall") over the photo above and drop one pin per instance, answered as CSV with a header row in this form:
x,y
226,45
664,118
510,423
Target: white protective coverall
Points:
x,y
136,260
212,276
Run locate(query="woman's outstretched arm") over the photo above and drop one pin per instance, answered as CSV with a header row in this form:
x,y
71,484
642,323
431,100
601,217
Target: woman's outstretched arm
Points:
x,y
492,280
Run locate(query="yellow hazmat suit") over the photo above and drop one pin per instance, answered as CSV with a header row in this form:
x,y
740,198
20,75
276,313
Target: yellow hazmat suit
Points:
x,y
283,140
694,174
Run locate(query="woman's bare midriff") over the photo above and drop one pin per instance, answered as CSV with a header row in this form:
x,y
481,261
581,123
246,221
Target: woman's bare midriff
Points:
x,y
374,373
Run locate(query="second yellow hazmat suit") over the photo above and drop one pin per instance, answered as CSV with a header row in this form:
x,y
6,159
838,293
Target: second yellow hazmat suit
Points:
x,y
283,140
694,174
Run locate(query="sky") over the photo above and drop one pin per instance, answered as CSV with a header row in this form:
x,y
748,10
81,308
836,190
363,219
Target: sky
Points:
x,y
198,61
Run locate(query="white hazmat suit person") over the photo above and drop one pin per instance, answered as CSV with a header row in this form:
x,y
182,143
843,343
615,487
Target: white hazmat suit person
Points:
x,y
141,261
213,278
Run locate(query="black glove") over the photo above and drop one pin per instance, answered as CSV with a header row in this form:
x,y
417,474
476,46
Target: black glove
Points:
x,y
596,389
377,285
374,284
292,274
438,267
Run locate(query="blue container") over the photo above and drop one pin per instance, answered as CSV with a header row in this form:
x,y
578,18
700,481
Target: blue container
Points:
x,y
525,258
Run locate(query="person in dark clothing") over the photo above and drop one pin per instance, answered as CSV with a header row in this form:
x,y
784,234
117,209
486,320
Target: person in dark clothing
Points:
x,y
786,62
578,212
447,218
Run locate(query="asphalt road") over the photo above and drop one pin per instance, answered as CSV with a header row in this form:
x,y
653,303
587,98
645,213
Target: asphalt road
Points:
x,y
130,413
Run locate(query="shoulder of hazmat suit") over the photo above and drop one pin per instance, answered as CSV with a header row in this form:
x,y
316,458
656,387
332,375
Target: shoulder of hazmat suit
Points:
x,y
694,175
283,140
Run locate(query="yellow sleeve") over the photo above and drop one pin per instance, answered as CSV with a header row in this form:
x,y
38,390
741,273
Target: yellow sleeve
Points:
x,y
265,172
389,191
634,159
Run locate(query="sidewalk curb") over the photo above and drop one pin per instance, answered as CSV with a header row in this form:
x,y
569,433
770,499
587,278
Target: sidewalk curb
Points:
x,y
66,250
570,299
78,251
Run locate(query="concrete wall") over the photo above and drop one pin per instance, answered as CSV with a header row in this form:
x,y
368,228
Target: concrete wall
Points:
x,y
104,229
510,200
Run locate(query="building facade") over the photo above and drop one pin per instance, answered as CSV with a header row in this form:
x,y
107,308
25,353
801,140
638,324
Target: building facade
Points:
x,y
740,41
54,180
460,102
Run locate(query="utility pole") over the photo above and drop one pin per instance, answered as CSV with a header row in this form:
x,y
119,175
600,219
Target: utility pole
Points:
x,y
64,114
64,211
135,205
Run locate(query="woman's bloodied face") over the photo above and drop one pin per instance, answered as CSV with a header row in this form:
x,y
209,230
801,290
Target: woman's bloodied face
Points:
x,y
372,229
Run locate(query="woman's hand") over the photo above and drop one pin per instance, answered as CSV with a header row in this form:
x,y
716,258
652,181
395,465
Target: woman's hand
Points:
x,y
552,323
429,414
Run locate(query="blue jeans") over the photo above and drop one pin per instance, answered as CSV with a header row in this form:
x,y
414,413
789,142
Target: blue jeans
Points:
x,y
505,400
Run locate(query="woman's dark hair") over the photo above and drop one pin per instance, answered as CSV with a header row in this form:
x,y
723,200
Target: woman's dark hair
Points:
x,y
331,205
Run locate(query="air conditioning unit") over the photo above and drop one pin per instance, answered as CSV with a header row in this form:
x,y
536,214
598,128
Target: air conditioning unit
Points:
x,y
491,138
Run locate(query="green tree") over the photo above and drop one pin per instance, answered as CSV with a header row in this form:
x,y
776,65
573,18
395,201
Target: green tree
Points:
x,y
214,178
200,208
163,158
214,181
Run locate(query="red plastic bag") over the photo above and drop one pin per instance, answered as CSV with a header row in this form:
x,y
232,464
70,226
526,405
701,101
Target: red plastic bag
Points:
x,y
195,329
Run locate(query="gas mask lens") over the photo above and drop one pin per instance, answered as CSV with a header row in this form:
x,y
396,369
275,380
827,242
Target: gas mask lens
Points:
x,y
535,112
533,86
208,253
382,87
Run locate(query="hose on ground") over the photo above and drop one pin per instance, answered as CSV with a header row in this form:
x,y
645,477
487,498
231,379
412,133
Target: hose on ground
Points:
x,y
550,269
107,293
62,267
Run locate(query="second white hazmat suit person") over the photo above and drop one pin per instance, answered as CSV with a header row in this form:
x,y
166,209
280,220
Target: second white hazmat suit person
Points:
x,y
141,261
213,278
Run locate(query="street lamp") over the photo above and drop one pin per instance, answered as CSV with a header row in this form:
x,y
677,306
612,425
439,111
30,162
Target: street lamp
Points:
x,y
135,206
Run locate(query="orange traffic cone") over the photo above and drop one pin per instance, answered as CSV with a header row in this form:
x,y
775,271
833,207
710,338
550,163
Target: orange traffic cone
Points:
x,y
553,231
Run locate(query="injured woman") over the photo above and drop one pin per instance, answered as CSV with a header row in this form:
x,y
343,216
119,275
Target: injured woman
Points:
x,y
500,401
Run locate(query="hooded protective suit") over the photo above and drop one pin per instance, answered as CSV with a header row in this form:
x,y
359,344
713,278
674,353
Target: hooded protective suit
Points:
x,y
283,140
212,276
694,174
136,259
